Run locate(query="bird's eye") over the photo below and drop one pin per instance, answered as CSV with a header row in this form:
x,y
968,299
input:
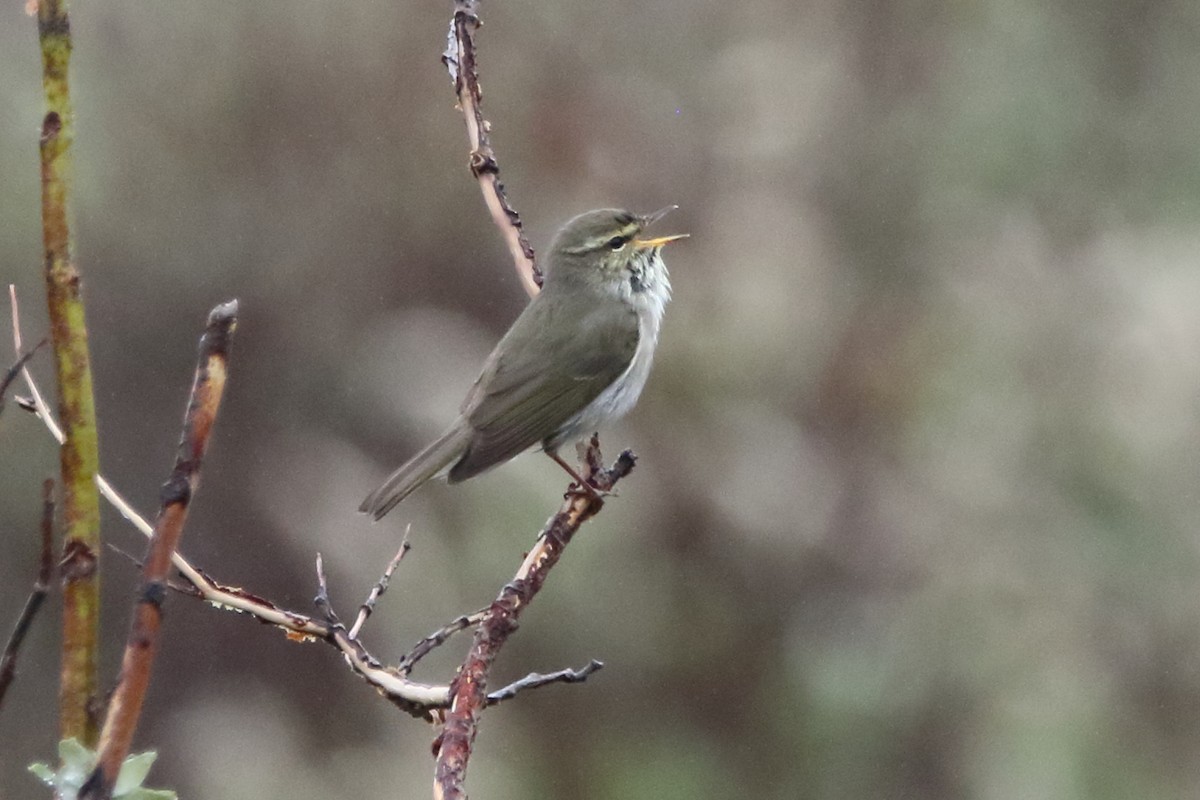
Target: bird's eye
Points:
x,y
617,242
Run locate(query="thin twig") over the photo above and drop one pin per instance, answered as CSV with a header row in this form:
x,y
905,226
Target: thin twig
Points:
x,y
230,598
175,586
15,370
41,586
368,606
417,699
535,680
439,637
469,688
218,595
421,700
124,710
37,404
80,453
459,59
321,601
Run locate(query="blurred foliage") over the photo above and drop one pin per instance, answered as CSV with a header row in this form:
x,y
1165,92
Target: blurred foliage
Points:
x,y
77,763
916,506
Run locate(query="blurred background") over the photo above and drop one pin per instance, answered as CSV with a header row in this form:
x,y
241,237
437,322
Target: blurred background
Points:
x,y
916,508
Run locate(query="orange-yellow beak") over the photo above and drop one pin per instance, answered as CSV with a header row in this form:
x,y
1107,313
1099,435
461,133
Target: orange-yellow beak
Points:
x,y
642,244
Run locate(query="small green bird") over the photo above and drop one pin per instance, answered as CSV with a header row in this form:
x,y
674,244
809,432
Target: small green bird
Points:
x,y
576,358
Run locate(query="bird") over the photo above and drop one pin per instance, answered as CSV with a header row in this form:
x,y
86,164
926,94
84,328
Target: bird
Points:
x,y
576,358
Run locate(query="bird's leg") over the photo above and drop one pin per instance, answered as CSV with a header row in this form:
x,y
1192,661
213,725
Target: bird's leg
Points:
x,y
597,494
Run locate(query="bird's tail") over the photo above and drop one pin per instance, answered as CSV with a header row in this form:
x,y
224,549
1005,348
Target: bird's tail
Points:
x,y
429,463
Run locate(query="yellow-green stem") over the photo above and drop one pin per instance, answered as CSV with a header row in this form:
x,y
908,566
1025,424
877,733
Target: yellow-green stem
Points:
x,y
76,406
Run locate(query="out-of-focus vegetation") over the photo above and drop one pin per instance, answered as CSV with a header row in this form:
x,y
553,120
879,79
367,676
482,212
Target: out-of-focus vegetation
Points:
x,y
916,511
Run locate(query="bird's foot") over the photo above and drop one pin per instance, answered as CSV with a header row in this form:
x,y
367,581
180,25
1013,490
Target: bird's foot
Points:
x,y
594,492
581,486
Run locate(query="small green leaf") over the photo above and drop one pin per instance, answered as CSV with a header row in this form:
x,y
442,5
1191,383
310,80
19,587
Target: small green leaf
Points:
x,y
75,754
78,763
43,771
133,772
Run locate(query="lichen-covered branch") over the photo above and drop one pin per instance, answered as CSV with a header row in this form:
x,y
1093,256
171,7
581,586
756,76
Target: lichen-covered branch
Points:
x,y
68,332
459,59
469,688
125,707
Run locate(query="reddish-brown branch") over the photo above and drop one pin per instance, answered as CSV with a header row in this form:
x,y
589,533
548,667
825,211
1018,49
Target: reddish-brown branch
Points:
x,y
459,59
8,662
422,700
469,693
419,699
126,705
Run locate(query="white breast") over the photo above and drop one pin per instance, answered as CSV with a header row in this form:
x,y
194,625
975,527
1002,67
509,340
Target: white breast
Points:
x,y
622,394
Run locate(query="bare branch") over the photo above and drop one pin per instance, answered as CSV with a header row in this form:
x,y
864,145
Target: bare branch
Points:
x,y
459,59
418,699
41,587
36,403
125,708
535,679
439,637
422,700
469,688
368,606
321,601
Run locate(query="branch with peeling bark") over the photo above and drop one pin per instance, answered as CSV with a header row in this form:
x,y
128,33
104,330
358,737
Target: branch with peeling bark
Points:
x,y
458,704
459,59
414,697
422,700
469,688
125,708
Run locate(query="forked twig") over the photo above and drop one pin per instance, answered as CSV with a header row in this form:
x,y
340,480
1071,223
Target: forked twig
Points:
x,y
40,409
439,637
419,699
467,695
469,688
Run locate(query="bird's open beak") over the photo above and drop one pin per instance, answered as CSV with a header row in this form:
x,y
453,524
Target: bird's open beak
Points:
x,y
642,244
650,219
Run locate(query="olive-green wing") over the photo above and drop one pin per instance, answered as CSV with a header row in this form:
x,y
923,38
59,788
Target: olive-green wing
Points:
x,y
554,361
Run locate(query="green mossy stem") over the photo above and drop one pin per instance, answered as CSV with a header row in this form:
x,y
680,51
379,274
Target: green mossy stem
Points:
x,y
76,404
